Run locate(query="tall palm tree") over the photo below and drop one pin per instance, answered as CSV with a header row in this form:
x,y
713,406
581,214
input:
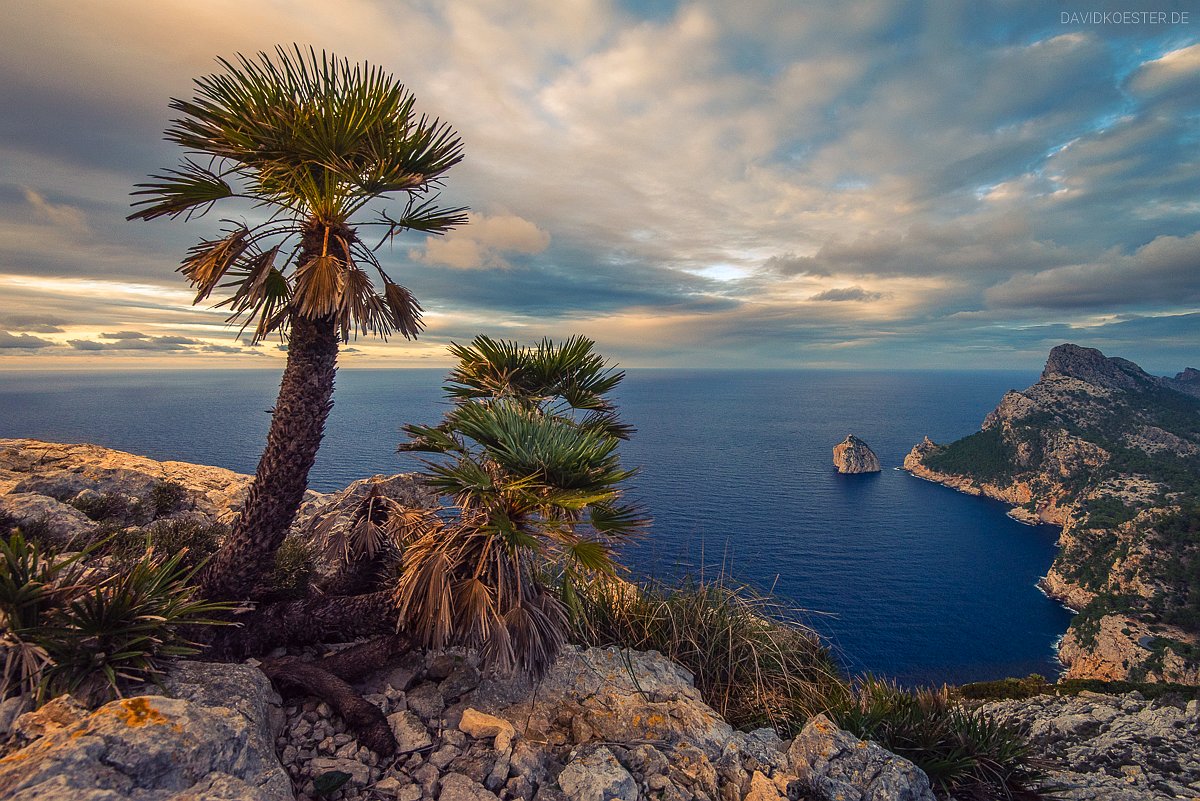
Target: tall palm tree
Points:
x,y
310,141
529,462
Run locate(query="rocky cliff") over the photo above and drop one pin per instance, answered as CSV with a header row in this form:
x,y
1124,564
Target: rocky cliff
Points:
x,y
852,455
1112,455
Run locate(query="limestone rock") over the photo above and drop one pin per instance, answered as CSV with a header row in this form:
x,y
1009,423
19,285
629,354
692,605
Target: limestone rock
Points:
x,y
457,787
834,764
477,724
852,455
1112,748
596,775
64,523
409,731
658,702
148,748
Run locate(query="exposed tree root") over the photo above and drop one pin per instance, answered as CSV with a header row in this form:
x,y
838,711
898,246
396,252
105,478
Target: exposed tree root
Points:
x,y
364,719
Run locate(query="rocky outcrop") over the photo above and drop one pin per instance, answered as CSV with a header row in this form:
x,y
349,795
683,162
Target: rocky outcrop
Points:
x,y
214,740
44,485
1112,748
1103,449
852,455
603,724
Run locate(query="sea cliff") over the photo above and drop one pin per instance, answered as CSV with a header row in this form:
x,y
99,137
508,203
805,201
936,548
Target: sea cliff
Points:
x,y
1112,455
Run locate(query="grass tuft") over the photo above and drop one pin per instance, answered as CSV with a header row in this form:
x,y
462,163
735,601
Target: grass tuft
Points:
x,y
751,664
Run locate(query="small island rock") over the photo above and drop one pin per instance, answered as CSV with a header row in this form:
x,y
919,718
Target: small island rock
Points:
x,y
855,456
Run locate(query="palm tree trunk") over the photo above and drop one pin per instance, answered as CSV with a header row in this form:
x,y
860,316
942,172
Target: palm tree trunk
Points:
x,y
297,426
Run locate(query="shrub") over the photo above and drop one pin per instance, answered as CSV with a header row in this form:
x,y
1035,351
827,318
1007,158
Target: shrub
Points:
x,y
166,498
196,540
752,664
293,568
1006,689
103,506
69,629
984,455
964,753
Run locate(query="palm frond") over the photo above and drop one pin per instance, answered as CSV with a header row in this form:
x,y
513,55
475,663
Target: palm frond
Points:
x,y
315,138
189,190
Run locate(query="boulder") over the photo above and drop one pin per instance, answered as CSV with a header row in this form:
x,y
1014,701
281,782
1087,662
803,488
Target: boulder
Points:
x,y
852,455
596,775
63,524
616,695
218,746
833,764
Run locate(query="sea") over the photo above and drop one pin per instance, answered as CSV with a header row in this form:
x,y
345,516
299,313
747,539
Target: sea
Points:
x,y
902,577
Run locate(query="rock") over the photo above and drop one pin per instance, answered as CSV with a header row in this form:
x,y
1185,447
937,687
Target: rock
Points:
x,y
834,764
11,709
457,787
409,731
479,725
658,702
63,471
426,700
64,525
852,455
1111,748
762,789
359,773
596,775
54,715
149,747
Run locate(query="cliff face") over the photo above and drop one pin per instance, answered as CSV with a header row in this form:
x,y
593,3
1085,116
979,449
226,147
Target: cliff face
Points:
x,y
852,455
1111,454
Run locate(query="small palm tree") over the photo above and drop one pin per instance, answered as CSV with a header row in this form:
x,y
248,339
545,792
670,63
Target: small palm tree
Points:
x,y
531,468
310,140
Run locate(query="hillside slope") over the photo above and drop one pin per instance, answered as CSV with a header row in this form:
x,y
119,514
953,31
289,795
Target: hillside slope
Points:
x,y
1111,454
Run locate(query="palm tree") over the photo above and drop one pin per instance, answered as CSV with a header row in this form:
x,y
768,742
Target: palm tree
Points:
x,y
310,141
531,468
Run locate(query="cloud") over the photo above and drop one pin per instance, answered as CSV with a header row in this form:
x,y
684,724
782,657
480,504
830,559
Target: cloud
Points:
x,y
32,322
850,293
1174,74
132,340
9,340
974,175
484,243
1162,272
59,214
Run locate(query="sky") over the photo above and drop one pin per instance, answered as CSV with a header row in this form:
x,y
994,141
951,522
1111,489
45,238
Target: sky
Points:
x,y
757,184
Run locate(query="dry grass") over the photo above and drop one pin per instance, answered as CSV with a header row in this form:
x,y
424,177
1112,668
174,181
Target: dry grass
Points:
x,y
751,660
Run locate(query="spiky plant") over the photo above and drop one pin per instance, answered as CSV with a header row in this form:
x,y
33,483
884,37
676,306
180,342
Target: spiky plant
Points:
x,y
530,466
310,141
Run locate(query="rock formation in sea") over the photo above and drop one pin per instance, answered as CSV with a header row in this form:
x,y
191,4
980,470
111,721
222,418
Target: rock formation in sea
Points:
x,y
852,455
1112,455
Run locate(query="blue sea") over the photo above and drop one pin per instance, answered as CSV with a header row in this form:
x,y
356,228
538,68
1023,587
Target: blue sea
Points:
x,y
903,577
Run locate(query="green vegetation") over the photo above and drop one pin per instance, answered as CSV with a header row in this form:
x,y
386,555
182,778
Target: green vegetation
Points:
x,y
195,540
964,753
1033,685
68,628
1107,512
1178,536
527,457
166,498
984,455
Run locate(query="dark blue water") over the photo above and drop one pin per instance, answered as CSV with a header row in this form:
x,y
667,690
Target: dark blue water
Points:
x,y
905,578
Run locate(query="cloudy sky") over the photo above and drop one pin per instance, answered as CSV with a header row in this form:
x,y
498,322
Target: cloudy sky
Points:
x,y
750,184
